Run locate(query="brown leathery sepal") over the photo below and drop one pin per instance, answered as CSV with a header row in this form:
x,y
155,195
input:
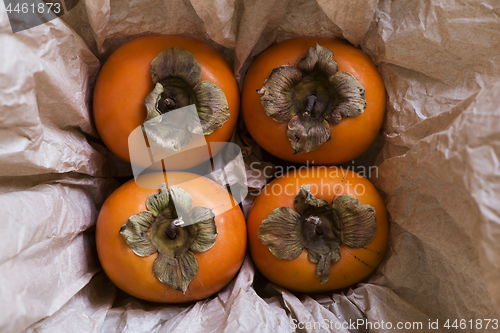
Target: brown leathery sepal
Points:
x,y
203,229
175,62
356,221
304,199
319,58
158,202
351,94
320,241
160,229
311,96
318,228
134,233
176,270
306,134
280,231
278,94
176,75
151,103
212,107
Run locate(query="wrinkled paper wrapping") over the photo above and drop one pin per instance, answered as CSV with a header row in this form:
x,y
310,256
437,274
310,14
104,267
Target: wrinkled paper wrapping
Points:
x,y
438,157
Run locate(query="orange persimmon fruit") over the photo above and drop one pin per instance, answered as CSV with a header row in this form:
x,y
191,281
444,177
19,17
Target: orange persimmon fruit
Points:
x,y
147,254
189,71
328,226
313,100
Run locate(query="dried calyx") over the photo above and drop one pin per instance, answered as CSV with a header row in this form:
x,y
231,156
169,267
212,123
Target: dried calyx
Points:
x,y
159,229
319,228
309,96
175,73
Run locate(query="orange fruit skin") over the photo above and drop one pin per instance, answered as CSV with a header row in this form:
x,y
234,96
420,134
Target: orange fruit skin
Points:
x,y
134,274
299,274
349,138
125,80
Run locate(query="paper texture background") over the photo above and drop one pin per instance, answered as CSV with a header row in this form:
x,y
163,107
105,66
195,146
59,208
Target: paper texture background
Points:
x,y
438,157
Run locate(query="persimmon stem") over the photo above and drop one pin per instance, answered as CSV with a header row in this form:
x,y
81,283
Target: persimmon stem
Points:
x,y
170,103
311,99
166,104
171,233
318,223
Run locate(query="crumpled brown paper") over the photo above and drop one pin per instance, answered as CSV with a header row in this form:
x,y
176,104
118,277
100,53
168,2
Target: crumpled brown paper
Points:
x,y
438,163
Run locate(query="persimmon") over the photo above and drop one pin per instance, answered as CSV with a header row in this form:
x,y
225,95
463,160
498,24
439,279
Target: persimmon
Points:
x,y
153,75
322,230
312,99
182,242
